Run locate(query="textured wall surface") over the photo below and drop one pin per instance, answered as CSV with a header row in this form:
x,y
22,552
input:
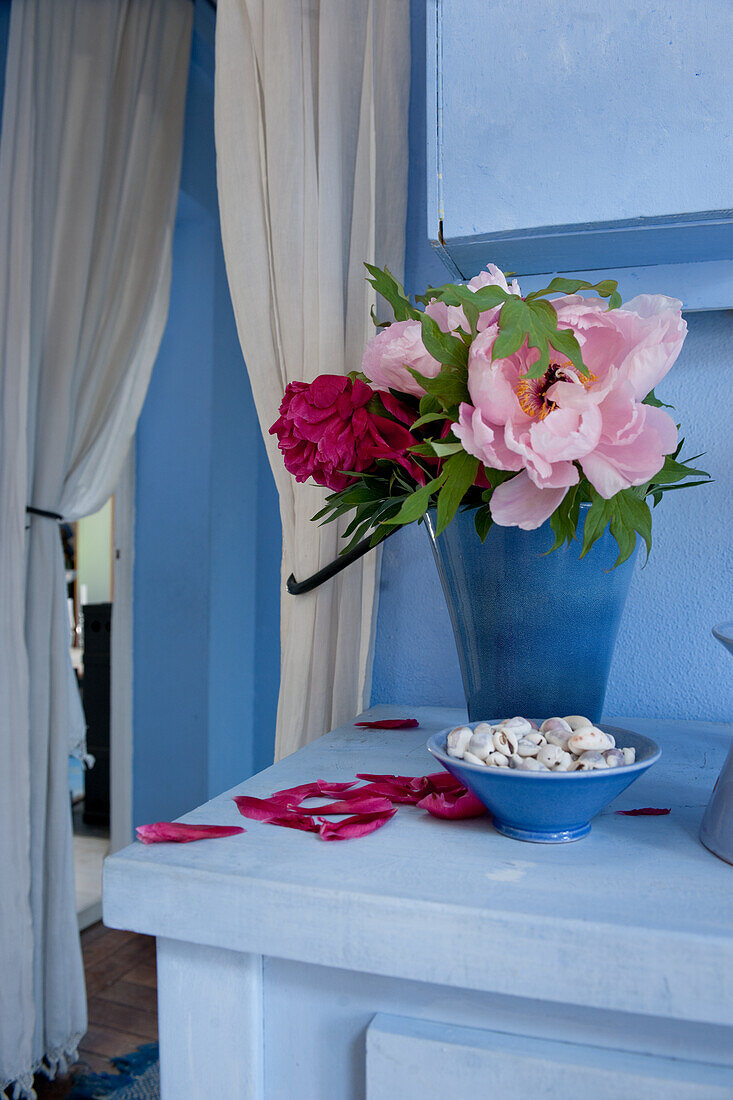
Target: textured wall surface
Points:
x,y
666,663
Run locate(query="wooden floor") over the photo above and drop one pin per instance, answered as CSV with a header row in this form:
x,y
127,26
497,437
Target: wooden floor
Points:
x,y
121,992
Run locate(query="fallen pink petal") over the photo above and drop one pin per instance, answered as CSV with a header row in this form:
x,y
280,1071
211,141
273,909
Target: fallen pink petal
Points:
x,y
366,805
453,806
326,787
293,794
260,809
444,781
395,792
176,832
645,811
355,826
294,820
390,724
316,789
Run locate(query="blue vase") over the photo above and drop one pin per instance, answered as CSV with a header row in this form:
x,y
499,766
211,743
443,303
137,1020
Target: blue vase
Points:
x,y
535,631
716,830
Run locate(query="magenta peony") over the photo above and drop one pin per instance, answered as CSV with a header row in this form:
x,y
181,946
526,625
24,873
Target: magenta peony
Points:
x,y
542,427
326,429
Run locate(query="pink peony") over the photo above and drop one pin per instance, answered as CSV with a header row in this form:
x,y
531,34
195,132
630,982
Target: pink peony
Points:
x,y
450,318
388,355
326,428
542,427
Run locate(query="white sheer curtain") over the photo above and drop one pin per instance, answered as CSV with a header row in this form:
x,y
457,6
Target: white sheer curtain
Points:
x,y
89,166
311,133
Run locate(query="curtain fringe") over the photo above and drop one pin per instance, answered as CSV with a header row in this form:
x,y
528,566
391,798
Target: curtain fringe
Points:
x,y
52,1063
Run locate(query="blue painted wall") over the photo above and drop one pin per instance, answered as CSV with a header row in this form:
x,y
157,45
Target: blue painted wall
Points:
x,y
207,539
666,663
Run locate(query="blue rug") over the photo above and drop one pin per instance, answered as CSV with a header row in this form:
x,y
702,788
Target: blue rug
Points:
x,y
138,1078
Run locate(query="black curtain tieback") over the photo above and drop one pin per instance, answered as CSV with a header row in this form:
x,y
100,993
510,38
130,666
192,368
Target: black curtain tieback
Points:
x,y
299,588
42,512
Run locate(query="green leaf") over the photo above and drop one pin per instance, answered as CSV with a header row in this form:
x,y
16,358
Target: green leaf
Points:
x,y
377,323
675,471
482,521
656,491
428,418
447,349
596,520
429,404
450,387
460,473
424,449
635,516
512,328
416,505
508,341
625,539
564,520
436,293
495,478
607,288
443,449
487,297
387,286
563,340
652,399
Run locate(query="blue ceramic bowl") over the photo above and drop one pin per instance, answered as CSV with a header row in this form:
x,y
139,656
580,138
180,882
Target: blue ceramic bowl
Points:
x,y
547,807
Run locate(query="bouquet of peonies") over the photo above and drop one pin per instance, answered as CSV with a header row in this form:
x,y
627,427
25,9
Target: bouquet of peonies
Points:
x,y
521,408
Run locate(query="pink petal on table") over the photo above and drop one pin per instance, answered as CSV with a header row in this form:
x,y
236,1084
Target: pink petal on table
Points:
x,y
293,794
347,795
179,833
645,811
453,807
400,795
327,787
366,805
295,821
390,724
355,826
444,781
260,809
316,789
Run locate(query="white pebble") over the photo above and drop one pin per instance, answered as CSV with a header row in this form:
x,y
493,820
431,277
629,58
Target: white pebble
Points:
x,y
558,737
498,760
554,725
552,755
577,721
591,761
536,736
482,743
457,741
529,764
518,725
588,739
565,763
505,741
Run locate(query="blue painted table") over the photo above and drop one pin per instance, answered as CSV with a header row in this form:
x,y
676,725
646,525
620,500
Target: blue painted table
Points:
x,y
436,959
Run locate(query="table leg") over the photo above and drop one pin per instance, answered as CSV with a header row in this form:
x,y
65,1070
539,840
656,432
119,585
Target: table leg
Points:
x,y
209,1022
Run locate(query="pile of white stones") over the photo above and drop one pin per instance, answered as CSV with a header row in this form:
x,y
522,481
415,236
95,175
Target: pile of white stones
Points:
x,y
559,745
